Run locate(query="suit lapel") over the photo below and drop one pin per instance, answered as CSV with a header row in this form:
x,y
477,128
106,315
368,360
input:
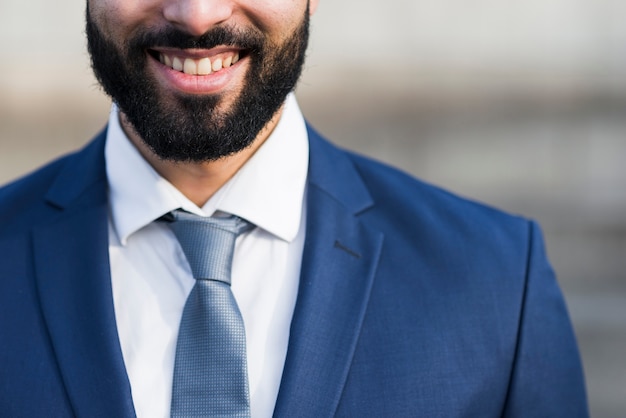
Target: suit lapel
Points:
x,y
338,269
73,278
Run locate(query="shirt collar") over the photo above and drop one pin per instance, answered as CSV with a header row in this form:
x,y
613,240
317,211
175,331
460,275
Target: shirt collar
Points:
x,y
267,191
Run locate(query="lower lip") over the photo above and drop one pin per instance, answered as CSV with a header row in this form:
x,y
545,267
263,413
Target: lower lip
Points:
x,y
213,83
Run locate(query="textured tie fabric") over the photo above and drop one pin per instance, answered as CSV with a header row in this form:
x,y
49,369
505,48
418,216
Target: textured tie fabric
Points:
x,y
210,370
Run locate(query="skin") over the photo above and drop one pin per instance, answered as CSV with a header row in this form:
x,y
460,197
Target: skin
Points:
x,y
120,19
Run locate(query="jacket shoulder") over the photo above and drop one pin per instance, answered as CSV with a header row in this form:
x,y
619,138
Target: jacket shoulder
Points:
x,y
29,199
410,197
20,196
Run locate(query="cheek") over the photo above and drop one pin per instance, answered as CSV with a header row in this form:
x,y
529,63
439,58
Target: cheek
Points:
x,y
276,16
118,19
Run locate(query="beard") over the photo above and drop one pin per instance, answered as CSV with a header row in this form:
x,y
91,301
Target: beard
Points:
x,y
192,128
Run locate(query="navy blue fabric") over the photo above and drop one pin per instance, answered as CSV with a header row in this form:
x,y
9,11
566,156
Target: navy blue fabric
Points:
x,y
412,302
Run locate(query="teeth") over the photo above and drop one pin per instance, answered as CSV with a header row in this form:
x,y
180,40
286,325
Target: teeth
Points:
x,y
190,67
177,64
217,64
203,66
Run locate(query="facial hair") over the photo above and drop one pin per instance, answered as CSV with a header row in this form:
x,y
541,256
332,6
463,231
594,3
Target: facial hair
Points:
x,y
192,128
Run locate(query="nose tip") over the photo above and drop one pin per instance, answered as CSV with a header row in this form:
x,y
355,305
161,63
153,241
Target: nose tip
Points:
x,y
197,16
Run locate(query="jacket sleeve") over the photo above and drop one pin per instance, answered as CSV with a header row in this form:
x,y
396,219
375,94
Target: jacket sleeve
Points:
x,y
547,378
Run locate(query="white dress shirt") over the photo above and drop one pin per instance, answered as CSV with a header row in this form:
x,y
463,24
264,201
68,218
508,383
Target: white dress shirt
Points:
x,y
151,277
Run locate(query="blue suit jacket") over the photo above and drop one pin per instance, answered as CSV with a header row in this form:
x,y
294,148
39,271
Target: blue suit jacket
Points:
x,y
412,302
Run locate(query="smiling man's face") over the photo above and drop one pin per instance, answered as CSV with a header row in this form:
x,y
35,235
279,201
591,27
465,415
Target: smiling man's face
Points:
x,y
198,79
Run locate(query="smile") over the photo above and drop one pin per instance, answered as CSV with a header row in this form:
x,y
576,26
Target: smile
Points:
x,y
198,66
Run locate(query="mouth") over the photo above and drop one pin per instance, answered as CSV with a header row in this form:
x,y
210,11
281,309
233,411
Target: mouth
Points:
x,y
197,62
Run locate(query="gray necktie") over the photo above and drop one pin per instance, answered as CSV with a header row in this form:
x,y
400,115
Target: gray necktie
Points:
x,y
210,372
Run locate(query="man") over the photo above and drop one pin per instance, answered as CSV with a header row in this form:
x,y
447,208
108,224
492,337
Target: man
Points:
x,y
363,292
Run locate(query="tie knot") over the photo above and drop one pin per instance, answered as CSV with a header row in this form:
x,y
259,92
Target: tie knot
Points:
x,y
208,243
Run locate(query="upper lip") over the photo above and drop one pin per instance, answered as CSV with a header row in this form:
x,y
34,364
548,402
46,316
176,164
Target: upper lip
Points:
x,y
196,53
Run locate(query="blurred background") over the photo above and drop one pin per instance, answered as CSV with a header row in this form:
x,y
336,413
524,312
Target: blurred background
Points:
x,y
521,104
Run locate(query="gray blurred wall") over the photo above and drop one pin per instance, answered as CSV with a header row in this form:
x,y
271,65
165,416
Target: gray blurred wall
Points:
x,y
520,104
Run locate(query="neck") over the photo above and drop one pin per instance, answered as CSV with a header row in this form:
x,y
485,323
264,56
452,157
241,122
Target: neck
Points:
x,y
198,181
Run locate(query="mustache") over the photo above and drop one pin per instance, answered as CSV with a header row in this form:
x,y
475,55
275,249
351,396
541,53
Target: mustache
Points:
x,y
244,38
